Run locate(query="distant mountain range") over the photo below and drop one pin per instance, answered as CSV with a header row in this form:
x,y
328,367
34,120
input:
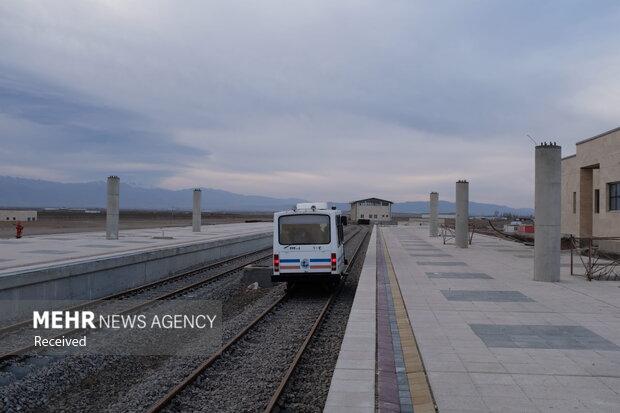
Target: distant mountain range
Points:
x,y
30,193
475,208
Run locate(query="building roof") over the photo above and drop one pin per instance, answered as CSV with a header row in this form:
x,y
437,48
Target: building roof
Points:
x,y
600,135
371,199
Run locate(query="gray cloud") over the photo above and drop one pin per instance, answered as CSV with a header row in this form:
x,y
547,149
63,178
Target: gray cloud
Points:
x,y
328,100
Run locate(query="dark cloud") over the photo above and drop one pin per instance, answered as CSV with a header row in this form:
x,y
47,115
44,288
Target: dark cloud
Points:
x,y
314,99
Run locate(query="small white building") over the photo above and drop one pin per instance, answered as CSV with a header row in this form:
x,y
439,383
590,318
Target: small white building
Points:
x,y
373,209
512,227
17,215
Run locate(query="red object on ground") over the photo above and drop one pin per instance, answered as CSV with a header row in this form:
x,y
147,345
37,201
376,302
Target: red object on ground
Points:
x,y
19,228
529,229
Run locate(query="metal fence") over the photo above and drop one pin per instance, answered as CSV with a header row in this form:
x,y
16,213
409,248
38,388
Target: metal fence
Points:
x,y
448,233
598,264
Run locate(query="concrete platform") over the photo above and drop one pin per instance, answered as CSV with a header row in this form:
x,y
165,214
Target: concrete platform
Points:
x,y
85,266
32,252
488,336
353,383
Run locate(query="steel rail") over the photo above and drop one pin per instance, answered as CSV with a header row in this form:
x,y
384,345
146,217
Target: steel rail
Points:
x,y
160,404
154,284
289,372
15,353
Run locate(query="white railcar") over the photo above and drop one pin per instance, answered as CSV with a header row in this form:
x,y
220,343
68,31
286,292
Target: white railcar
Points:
x,y
308,244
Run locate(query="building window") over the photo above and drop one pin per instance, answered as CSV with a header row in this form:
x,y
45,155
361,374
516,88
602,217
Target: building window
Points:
x,y
362,216
597,201
614,196
574,202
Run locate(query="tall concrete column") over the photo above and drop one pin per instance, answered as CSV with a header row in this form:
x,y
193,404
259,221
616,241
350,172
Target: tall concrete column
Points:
x,y
547,195
197,211
461,225
111,219
433,228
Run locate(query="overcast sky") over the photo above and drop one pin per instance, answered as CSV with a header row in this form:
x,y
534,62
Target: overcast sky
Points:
x,y
333,100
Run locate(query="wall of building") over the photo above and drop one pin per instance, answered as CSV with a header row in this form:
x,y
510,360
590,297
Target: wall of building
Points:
x,y
17,215
360,211
596,164
353,212
570,184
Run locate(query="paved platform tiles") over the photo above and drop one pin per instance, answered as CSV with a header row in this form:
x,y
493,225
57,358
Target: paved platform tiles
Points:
x,y
413,386
491,339
352,388
39,251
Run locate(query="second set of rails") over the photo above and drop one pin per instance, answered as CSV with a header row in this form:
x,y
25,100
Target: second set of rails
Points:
x,y
150,293
193,280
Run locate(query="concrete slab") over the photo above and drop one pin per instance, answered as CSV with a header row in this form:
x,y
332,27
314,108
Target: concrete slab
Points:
x,y
558,351
485,295
88,266
460,275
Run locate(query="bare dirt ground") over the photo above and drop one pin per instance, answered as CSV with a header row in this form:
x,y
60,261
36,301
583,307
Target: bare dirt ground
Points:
x,y
62,221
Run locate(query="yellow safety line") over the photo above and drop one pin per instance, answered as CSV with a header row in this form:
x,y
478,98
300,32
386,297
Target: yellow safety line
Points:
x,y
419,387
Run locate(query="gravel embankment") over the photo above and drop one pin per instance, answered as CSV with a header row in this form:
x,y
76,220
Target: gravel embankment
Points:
x,y
96,383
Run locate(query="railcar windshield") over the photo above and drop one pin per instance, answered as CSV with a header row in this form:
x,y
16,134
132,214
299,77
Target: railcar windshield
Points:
x,y
304,229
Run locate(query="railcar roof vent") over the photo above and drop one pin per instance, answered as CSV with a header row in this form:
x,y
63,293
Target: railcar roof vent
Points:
x,y
312,206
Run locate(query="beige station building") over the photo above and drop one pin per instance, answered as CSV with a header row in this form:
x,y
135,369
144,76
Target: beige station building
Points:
x,y
373,209
17,215
591,190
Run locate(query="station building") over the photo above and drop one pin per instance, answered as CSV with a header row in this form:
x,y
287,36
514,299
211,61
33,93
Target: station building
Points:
x,y
591,190
374,209
17,215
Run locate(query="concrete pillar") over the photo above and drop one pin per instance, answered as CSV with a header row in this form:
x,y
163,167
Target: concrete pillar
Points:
x,y
461,225
433,227
111,221
547,194
197,211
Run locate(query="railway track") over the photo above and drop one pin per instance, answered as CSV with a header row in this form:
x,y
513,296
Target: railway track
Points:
x,y
289,372
150,293
174,392
136,290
